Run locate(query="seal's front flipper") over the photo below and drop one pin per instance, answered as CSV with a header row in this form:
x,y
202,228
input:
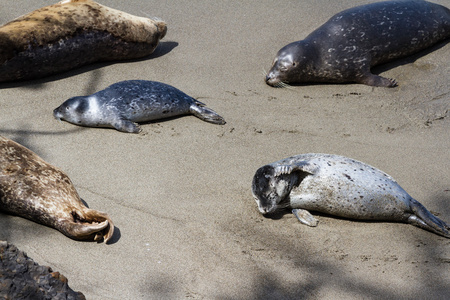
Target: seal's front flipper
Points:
x,y
124,125
375,80
423,218
305,217
298,166
199,110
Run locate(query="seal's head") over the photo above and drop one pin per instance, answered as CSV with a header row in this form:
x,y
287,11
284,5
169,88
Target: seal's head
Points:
x,y
269,190
289,65
76,110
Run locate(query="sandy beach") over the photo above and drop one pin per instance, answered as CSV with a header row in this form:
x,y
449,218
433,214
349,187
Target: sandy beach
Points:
x,y
179,193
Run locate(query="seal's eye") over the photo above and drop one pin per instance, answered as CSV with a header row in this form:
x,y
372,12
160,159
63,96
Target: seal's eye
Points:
x,y
294,64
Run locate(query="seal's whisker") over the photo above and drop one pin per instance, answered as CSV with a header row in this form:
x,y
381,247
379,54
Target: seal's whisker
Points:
x,y
264,72
286,86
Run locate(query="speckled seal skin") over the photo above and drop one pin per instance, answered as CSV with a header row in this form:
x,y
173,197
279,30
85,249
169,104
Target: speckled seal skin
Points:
x,y
124,104
33,189
22,278
70,34
354,40
338,186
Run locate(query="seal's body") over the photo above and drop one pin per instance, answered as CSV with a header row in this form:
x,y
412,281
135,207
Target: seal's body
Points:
x,y
70,34
338,186
33,189
125,103
354,40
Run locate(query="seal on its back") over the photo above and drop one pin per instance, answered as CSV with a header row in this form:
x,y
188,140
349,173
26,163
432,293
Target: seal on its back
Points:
x,y
70,34
33,189
338,186
354,40
124,104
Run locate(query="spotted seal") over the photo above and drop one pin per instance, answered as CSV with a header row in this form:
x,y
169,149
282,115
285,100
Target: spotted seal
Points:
x,y
70,34
338,186
123,104
354,40
34,189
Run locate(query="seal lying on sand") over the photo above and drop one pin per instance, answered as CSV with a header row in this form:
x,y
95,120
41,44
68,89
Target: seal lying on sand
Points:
x,y
338,186
122,104
22,278
70,34
354,40
36,190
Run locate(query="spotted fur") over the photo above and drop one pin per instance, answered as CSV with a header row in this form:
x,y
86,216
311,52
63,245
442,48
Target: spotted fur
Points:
x,y
354,40
33,189
338,186
123,104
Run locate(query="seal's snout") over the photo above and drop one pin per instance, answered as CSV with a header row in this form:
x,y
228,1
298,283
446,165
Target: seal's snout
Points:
x,y
57,114
272,80
266,209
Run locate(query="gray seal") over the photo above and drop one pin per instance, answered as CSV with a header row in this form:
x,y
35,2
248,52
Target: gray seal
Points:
x,y
338,186
124,104
32,188
354,40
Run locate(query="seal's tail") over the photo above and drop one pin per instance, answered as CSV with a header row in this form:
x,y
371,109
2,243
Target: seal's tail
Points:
x,y
199,110
423,218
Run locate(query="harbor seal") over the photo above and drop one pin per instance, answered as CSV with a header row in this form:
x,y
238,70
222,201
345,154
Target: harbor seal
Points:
x,y
354,40
125,103
32,188
70,34
338,186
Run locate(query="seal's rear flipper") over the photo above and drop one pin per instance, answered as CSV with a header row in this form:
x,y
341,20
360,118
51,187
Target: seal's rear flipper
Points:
x,y
424,219
199,110
89,224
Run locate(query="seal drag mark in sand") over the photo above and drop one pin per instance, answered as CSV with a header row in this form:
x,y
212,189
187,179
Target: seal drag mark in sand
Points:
x,y
354,40
70,34
338,186
124,104
36,190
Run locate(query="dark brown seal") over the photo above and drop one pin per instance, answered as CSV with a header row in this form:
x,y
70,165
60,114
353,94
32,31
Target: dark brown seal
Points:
x,y
70,34
354,40
33,189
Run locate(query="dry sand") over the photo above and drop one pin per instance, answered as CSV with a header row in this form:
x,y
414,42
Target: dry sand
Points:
x,y
179,193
